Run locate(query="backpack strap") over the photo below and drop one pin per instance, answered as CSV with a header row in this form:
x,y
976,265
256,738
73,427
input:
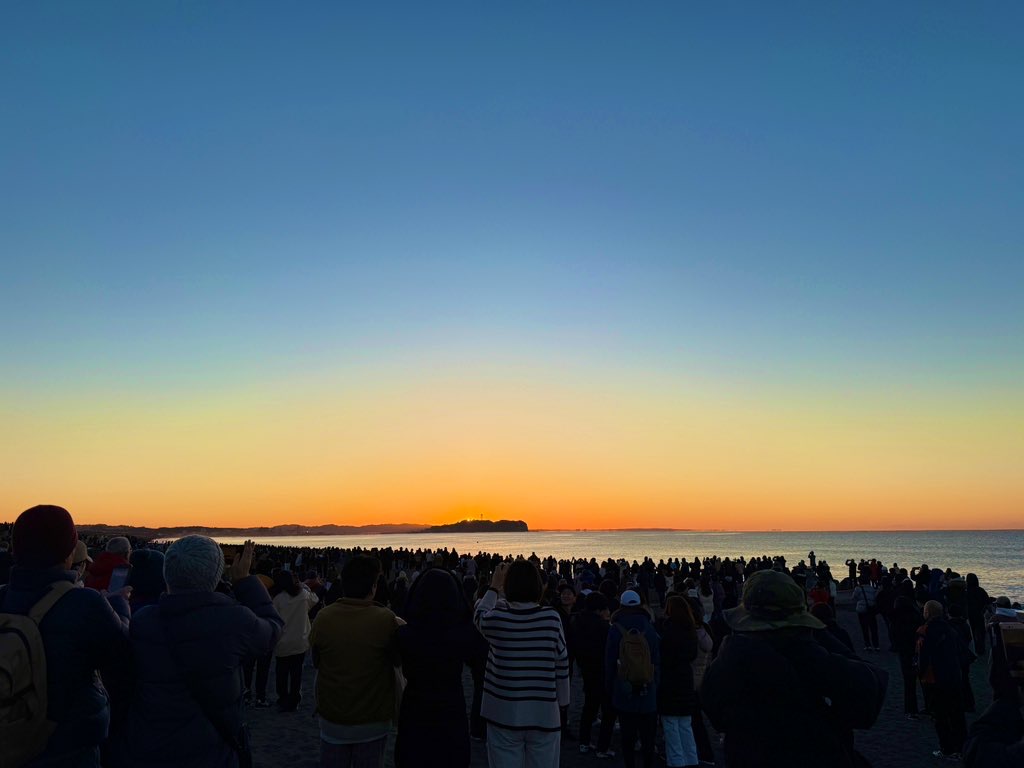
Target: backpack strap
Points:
x,y
56,591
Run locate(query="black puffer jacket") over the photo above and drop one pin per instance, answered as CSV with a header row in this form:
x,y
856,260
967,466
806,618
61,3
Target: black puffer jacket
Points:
x,y
678,650
762,683
213,633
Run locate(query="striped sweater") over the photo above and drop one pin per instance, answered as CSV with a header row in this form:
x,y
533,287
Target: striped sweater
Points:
x,y
527,674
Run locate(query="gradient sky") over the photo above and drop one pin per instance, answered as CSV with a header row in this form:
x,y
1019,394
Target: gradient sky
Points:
x,y
747,266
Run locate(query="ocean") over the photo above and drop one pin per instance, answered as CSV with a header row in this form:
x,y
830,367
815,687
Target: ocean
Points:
x,y
996,556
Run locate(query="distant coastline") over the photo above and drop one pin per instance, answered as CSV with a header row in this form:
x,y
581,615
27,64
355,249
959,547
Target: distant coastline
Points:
x,y
465,526
173,532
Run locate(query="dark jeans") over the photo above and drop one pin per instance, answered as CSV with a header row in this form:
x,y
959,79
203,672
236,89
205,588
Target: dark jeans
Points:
x,y
700,735
594,700
909,683
948,710
643,725
288,679
369,754
262,666
477,726
869,628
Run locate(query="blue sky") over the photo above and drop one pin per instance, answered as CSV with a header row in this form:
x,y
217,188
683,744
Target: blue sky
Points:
x,y
197,192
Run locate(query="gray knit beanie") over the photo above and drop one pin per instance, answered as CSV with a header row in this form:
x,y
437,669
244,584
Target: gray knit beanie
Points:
x,y
193,564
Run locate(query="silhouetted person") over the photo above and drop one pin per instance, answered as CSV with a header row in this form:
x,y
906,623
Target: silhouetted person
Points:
x,y
768,673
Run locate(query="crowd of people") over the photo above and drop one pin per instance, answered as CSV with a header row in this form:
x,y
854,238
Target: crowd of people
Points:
x,y
121,652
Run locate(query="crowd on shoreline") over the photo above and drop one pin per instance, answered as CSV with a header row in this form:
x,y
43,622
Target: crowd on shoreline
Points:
x,y
158,667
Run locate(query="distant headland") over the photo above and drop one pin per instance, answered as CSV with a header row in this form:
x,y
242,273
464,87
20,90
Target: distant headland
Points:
x,y
481,526
464,526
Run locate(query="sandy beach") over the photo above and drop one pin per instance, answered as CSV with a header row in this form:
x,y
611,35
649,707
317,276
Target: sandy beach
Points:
x,y
291,739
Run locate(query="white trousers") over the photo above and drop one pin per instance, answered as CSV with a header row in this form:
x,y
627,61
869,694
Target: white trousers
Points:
x,y
522,749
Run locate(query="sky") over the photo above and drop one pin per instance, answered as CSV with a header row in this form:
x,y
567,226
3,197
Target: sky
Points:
x,y
740,266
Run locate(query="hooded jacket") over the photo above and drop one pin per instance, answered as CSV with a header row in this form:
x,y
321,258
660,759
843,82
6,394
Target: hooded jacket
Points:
x,y
761,681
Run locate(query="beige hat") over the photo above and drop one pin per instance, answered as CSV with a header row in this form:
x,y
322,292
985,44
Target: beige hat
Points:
x,y
81,553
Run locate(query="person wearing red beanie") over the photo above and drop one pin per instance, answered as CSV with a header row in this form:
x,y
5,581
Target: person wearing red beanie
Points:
x,y
83,633
43,536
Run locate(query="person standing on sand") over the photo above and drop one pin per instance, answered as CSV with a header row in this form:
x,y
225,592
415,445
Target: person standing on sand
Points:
x,y
527,676
632,667
866,596
906,618
771,672
188,650
439,639
941,655
82,632
677,699
355,651
977,603
590,628
293,600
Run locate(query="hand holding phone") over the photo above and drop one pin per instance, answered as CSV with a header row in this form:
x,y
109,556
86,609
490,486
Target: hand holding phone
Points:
x,y
118,579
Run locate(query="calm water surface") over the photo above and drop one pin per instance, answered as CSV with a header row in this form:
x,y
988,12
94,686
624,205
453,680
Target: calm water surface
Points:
x,y
996,556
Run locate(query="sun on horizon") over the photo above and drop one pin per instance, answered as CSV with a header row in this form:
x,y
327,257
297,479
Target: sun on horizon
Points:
x,y
360,265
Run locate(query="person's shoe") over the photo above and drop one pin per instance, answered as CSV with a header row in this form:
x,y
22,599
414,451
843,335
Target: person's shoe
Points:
x,y
584,749
247,697
867,648
955,756
261,704
604,755
913,716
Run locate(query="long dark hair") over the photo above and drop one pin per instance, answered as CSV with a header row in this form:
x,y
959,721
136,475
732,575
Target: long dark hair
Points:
x,y
436,599
285,581
677,608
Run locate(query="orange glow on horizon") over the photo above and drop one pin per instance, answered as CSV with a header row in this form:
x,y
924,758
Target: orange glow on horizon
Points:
x,y
557,453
